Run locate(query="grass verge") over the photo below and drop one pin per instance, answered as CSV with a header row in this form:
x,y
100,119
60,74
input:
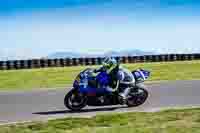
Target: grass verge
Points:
x,y
169,121
60,77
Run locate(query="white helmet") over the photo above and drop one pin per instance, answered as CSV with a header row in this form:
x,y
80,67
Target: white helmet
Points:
x,y
109,64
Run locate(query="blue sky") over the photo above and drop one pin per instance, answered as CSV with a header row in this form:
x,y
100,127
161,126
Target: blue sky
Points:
x,y
36,28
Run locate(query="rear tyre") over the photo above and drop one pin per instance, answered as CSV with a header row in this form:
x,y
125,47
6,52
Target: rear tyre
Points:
x,y
137,98
75,101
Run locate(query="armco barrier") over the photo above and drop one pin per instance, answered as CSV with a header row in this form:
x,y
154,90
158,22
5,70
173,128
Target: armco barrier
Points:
x,y
42,63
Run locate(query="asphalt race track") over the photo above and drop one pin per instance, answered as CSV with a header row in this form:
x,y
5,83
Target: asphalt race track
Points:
x,y
45,104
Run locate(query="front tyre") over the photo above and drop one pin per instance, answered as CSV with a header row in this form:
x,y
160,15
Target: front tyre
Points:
x,y
137,98
75,101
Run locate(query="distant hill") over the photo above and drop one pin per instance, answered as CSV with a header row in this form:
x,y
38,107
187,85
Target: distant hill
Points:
x,y
128,53
110,53
64,55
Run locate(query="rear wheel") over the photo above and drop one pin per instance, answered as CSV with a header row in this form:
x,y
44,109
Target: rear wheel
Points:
x,y
75,101
137,97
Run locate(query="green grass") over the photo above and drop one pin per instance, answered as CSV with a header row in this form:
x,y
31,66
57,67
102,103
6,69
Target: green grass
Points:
x,y
169,121
61,77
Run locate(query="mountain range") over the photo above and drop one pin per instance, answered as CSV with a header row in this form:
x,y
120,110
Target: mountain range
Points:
x,y
135,52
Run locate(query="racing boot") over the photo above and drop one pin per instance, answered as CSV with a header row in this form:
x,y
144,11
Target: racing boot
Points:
x,y
123,96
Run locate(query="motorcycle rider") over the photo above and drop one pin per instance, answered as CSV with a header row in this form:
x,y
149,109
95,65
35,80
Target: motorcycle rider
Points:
x,y
120,77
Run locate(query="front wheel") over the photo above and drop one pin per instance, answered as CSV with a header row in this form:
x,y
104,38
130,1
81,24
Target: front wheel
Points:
x,y
75,101
137,98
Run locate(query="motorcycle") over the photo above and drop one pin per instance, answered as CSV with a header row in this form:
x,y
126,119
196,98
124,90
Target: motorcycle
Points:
x,y
89,90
